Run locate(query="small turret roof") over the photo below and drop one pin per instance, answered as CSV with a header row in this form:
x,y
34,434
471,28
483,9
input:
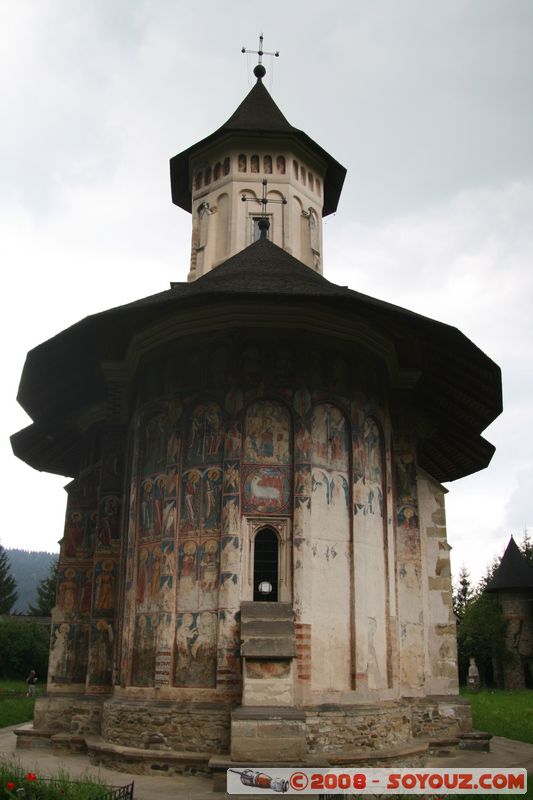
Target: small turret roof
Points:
x,y
514,571
257,116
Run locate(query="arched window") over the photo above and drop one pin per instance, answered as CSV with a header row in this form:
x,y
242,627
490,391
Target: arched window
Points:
x,y
280,165
207,176
254,163
267,165
295,169
311,182
198,181
242,163
266,566
226,166
218,168
303,176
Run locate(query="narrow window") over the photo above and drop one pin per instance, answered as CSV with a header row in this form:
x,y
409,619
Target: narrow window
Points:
x,y
254,163
280,165
267,165
311,182
226,166
242,163
303,176
295,169
198,181
256,233
266,566
218,168
207,176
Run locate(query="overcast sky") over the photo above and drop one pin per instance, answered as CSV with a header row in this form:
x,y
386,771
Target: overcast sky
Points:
x,y
427,104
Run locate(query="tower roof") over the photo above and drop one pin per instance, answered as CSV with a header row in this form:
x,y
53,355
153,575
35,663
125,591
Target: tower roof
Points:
x,y
455,386
259,117
514,571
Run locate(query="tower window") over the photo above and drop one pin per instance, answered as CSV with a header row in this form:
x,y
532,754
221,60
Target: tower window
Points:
x,y
266,566
267,165
254,163
280,165
256,232
218,168
207,176
242,163
226,166
295,169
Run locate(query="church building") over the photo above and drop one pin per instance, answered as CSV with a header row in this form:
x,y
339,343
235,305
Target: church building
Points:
x,y
254,565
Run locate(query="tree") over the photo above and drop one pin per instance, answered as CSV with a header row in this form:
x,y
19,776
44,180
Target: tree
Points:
x,y
8,587
481,634
46,594
23,646
526,546
463,595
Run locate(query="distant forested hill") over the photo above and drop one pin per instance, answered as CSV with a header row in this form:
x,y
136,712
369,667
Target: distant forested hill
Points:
x,y
28,568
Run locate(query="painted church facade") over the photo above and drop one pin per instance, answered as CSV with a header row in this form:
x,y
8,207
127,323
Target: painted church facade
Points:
x,y
255,530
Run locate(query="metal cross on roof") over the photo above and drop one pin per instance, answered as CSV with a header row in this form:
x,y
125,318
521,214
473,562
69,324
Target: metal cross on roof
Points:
x,y
264,223
259,70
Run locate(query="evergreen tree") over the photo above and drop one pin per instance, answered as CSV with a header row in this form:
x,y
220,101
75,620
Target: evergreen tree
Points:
x,y
463,595
46,594
526,546
8,587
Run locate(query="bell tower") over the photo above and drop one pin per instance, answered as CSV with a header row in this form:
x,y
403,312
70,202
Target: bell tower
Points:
x,y
256,166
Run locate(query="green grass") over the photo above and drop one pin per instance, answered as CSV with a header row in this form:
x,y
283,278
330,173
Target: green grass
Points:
x,y
503,713
18,708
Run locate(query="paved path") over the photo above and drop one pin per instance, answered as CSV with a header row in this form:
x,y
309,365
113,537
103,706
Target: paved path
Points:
x,y
504,753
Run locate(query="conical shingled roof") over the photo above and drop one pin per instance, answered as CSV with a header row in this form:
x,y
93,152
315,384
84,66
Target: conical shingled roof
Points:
x,y
458,387
257,116
514,571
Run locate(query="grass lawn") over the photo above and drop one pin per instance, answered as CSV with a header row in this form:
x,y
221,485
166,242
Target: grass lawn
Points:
x,y
503,713
18,708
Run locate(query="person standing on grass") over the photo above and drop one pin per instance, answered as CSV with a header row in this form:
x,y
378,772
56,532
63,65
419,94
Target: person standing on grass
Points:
x,y
31,680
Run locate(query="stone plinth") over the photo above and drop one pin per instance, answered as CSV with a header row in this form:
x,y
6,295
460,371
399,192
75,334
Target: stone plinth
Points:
x,y
262,734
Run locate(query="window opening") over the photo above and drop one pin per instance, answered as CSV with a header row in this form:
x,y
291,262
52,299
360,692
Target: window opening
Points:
x,y
266,566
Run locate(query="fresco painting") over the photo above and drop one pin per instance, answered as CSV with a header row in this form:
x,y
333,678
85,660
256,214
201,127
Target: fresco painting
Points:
x,y
104,582
145,640
266,490
231,477
86,588
201,501
196,649
208,569
205,435
108,521
148,577
155,442
69,653
74,538
267,434
101,653
191,501
188,575
329,437
212,493
234,402
302,442
147,528
67,592
233,441
231,514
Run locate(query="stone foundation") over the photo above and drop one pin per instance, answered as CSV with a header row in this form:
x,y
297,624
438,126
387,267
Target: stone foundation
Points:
x,y
336,729
183,727
437,717
68,713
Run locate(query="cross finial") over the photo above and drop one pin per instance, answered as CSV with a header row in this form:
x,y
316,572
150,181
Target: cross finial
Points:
x,y
259,69
264,223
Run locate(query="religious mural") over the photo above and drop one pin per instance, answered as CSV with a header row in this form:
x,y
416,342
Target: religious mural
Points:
x,y
205,435
101,653
145,647
267,489
196,649
368,469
